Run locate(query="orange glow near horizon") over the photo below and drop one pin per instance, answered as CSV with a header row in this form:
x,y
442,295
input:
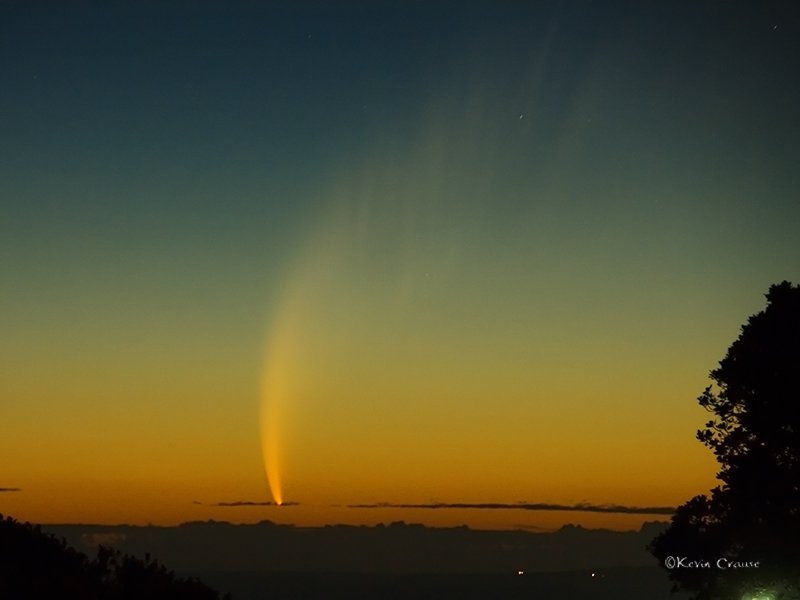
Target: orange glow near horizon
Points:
x,y
436,374
403,299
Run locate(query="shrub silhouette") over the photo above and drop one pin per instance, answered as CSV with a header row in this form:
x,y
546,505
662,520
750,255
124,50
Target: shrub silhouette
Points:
x,y
753,517
34,564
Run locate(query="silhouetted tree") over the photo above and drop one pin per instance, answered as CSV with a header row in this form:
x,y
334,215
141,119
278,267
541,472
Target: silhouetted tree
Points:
x,y
34,564
753,517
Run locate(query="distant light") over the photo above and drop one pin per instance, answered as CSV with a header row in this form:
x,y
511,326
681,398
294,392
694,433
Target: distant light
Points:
x,y
760,595
520,572
593,574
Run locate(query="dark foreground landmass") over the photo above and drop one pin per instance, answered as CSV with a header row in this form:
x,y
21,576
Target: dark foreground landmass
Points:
x,y
397,548
269,561
623,583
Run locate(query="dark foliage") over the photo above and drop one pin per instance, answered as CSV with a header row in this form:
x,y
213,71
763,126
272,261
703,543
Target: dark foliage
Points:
x,y
754,515
34,564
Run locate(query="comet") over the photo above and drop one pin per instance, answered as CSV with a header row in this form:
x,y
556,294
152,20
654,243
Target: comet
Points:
x,y
273,396
275,391
279,387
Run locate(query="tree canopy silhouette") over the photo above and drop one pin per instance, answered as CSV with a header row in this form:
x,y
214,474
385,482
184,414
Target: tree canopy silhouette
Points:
x,y
751,521
34,564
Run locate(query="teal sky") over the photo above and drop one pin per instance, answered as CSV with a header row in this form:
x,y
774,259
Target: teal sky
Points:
x,y
560,197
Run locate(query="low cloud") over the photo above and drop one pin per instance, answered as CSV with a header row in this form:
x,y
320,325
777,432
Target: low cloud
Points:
x,y
579,507
10,489
252,503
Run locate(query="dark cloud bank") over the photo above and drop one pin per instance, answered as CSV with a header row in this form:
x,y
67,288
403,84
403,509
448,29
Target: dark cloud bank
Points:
x,y
580,507
252,503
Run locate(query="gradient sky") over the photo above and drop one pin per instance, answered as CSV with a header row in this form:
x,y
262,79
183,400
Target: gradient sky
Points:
x,y
417,252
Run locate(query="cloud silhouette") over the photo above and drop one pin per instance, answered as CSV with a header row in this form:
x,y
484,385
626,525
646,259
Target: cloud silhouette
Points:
x,y
10,489
252,503
579,507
